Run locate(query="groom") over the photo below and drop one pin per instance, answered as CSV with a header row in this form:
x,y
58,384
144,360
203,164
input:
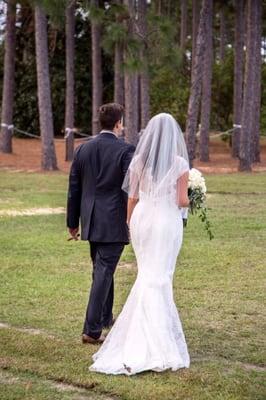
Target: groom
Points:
x,y
96,199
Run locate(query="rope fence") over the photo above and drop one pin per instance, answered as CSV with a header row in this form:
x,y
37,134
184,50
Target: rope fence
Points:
x,y
228,132
85,137
33,136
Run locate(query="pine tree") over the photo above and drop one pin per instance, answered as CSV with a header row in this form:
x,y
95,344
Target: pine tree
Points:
x,y
247,121
195,27
9,79
257,87
238,73
131,85
183,28
44,92
97,84
206,89
196,81
70,80
222,33
144,74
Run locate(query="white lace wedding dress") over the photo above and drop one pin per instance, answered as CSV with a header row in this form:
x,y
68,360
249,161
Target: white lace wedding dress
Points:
x,y
148,333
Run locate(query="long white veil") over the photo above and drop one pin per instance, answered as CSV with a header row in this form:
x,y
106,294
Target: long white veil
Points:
x,y
159,160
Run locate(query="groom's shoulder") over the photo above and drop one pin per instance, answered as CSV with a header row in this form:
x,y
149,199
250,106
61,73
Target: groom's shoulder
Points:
x,y
91,142
127,147
119,143
83,148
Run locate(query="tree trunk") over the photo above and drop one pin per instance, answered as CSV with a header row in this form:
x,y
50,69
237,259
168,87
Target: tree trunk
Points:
x,y
119,78
9,79
131,88
257,87
206,90
183,30
70,92
97,84
195,91
195,27
144,75
118,73
238,73
44,91
158,7
222,34
131,107
245,153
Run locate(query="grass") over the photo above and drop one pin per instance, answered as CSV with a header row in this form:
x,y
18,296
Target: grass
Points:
x,y
18,386
218,286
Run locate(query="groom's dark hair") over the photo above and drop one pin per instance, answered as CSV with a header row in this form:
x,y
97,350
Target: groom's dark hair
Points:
x,y
110,114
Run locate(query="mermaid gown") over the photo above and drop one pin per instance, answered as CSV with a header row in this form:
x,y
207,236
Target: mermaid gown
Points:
x,y
148,334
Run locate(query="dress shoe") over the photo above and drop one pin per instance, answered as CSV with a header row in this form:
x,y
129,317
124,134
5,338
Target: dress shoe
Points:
x,y
90,340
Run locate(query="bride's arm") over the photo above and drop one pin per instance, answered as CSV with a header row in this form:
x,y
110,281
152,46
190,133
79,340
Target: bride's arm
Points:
x,y
133,194
182,191
131,203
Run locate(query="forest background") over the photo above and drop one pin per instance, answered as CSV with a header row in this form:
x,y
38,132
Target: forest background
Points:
x,y
159,46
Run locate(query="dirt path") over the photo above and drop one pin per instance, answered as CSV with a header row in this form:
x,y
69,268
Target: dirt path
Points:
x,y
30,383
32,211
27,155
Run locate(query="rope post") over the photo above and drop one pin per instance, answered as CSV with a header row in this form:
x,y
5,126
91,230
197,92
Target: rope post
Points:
x,y
69,147
9,127
6,137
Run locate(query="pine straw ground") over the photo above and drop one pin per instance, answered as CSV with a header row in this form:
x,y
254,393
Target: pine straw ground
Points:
x,y
219,288
27,155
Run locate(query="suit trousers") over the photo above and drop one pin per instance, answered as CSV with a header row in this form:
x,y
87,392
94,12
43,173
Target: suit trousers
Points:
x,y
105,257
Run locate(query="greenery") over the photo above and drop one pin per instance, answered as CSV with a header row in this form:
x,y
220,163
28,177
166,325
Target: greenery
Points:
x,y
169,67
218,288
197,201
26,102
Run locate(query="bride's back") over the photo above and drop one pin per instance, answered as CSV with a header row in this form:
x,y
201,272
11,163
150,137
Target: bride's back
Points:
x,y
159,160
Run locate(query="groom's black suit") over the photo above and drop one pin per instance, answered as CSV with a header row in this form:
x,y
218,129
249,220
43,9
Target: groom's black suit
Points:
x,y
96,198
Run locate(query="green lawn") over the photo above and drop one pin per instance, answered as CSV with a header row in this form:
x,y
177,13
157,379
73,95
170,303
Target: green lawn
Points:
x,y
219,291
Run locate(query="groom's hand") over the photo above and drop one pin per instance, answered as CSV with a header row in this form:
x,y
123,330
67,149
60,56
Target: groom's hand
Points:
x,y
74,233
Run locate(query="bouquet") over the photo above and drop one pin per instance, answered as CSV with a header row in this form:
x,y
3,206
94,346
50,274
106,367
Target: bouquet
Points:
x,y
197,198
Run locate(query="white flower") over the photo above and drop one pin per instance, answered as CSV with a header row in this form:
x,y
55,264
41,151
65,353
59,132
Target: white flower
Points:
x,y
204,188
195,171
196,180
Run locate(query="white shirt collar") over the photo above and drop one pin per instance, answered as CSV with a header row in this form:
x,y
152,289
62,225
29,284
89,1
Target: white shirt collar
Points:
x,y
106,131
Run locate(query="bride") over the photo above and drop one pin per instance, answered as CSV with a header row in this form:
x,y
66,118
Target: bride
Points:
x,y
148,334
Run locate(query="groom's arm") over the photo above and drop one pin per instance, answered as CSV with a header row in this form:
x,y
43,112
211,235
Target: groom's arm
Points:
x,y
74,193
127,157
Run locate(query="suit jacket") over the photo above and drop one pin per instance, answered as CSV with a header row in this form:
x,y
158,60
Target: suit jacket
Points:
x,y
95,196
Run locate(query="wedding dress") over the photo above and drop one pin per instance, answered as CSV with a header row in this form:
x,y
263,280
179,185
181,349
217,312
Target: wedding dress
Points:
x,y
148,334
